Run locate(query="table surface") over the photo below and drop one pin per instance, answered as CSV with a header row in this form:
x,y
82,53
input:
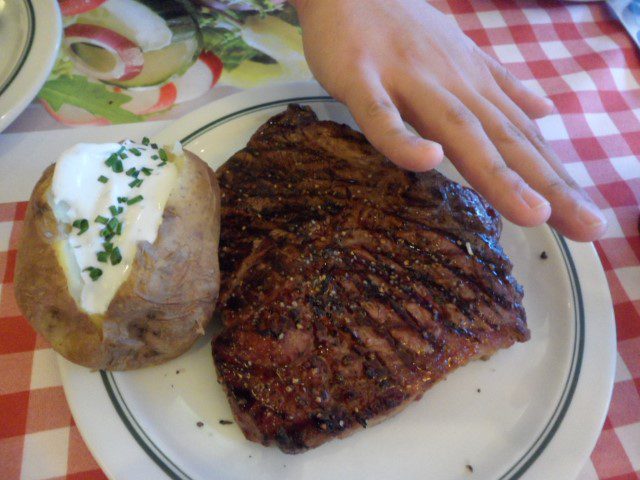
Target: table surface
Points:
x,y
576,54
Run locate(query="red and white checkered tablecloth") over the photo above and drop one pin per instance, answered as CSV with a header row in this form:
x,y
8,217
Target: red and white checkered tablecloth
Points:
x,y
574,53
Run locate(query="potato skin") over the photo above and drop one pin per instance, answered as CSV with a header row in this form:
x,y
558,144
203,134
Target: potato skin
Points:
x,y
161,308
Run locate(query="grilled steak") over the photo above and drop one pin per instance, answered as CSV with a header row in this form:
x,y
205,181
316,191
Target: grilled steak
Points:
x,y
349,286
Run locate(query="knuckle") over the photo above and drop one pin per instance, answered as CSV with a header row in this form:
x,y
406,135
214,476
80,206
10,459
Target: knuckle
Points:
x,y
393,132
506,133
556,187
376,108
409,52
479,61
485,84
460,116
567,185
488,87
498,170
534,134
510,178
359,70
503,74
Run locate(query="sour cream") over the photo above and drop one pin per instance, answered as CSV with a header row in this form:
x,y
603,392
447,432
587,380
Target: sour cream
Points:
x,y
107,198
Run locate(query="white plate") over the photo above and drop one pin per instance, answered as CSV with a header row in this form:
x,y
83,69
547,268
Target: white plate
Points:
x,y
30,32
532,411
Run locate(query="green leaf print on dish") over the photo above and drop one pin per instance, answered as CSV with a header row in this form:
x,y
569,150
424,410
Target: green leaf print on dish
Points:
x,y
92,97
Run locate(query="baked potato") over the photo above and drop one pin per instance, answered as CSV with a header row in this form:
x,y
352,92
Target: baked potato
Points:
x,y
148,310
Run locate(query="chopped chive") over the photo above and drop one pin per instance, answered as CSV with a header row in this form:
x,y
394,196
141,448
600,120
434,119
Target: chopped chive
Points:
x,y
123,156
102,256
119,229
107,233
147,171
113,223
82,225
145,141
109,161
154,157
154,146
115,210
103,179
122,149
163,155
115,164
162,164
116,257
136,183
135,151
132,172
108,246
122,199
101,219
94,272
135,200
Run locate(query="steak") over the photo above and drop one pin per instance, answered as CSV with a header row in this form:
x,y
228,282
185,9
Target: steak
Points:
x,y
349,286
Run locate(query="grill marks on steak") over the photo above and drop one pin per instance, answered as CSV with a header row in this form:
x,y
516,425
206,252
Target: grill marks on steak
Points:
x,y
349,286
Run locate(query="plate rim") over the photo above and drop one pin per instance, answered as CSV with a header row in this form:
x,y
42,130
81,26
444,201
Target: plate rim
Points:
x,y
31,21
36,62
283,91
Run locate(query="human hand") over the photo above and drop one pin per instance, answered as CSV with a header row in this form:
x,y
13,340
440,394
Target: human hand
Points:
x,y
390,61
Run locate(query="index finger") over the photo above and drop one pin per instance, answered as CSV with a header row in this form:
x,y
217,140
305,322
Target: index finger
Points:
x,y
380,121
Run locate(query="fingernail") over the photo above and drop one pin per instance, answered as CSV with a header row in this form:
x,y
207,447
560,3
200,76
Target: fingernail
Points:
x,y
591,215
436,148
533,199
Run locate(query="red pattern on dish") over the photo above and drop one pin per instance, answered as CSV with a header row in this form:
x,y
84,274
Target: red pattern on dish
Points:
x,y
129,52
215,65
166,99
76,7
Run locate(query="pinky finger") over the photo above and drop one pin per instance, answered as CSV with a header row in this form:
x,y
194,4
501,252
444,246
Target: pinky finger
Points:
x,y
380,121
534,105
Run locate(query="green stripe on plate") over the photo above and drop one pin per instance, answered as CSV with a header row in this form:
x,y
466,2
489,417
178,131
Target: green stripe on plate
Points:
x,y
31,29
